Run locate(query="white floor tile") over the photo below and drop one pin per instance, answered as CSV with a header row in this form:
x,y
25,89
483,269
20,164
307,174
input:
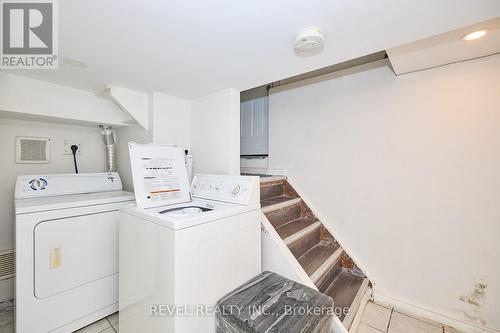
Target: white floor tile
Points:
x,y
376,316
401,323
363,328
97,327
113,319
116,327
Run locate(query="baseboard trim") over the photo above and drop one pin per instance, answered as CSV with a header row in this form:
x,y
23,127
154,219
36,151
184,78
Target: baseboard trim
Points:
x,y
420,311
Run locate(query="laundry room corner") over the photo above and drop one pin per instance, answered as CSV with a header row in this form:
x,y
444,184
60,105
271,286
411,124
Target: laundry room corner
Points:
x,y
249,166
53,117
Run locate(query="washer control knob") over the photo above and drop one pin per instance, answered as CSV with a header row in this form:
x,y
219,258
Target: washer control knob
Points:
x,y
236,190
38,184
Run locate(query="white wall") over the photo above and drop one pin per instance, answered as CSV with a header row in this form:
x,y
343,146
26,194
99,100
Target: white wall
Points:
x,y
170,123
207,126
123,136
255,166
91,160
215,133
171,120
406,172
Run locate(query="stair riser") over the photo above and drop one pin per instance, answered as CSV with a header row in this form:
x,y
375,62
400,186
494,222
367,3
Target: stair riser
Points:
x,y
296,229
356,303
287,214
284,215
325,236
344,290
288,190
347,262
271,190
326,280
304,244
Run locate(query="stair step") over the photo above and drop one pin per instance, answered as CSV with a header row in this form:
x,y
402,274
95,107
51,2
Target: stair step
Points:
x,y
304,244
295,226
356,303
325,281
343,290
270,190
327,265
275,203
284,215
302,233
316,256
321,257
276,200
309,240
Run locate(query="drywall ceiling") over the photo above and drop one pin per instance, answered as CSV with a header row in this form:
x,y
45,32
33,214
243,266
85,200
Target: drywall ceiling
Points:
x,y
446,48
193,48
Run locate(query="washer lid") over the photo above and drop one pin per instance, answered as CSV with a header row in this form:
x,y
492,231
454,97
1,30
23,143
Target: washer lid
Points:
x,y
159,173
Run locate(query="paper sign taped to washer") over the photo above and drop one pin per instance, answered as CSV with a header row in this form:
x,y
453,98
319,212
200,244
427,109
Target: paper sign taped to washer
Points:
x,y
159,173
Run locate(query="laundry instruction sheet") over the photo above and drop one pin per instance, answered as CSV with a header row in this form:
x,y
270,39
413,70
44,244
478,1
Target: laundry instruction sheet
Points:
x,y
159,173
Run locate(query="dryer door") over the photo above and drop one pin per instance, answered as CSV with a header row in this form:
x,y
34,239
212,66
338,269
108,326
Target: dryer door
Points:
x,y
74,251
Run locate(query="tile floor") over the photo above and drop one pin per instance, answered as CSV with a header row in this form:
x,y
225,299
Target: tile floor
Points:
x,y
379,319
106,325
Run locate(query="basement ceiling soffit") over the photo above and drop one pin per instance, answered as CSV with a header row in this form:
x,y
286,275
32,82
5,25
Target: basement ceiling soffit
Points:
x,y
446,48
191,49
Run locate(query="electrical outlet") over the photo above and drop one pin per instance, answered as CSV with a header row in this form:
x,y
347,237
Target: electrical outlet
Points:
x,y
69,143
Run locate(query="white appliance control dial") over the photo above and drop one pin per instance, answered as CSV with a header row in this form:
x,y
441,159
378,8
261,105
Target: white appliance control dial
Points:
x,y
38,184
236,190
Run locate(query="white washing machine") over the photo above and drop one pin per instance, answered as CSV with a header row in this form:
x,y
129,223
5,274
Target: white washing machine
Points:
x,y
178,259
66,250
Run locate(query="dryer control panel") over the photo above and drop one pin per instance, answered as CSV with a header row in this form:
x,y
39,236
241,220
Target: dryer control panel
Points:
x,y
32,186
243,190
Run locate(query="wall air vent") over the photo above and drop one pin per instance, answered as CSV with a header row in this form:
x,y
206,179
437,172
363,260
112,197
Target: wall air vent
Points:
x,y
32,150
7,264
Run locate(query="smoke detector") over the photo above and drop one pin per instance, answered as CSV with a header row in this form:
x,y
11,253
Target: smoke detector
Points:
x,y
308,42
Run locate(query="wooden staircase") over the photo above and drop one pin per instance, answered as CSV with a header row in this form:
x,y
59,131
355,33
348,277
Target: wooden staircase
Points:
x,y
316,250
